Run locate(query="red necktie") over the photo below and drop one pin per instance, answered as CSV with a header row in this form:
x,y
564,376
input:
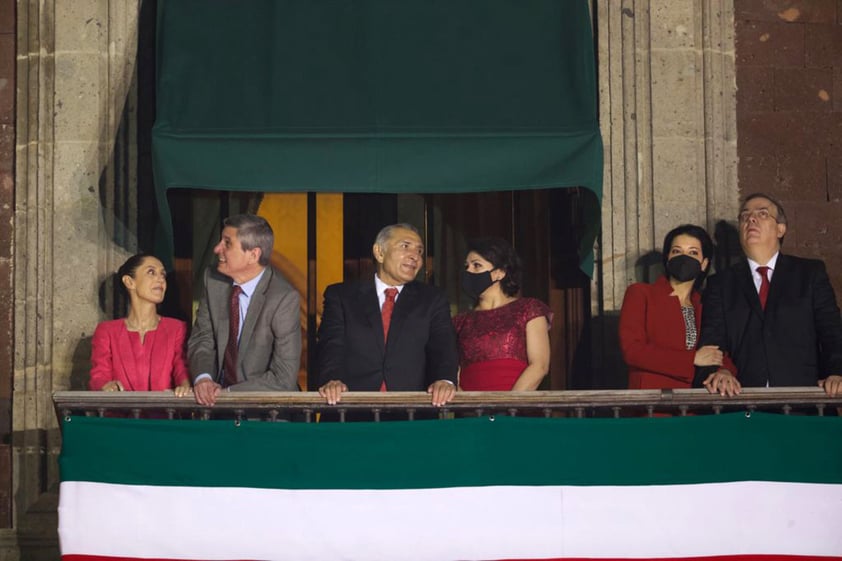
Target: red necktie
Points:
x,y
229,361
764,285
386,314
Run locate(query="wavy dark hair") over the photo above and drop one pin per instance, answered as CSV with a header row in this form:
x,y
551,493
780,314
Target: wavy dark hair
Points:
x,y
693,231
501,255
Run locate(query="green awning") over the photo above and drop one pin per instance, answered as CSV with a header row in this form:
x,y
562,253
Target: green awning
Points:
x,y
380,96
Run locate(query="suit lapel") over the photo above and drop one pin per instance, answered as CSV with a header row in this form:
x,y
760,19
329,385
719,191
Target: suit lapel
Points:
x,y
780,277
258,298
745,280
407,300
369,308
219,294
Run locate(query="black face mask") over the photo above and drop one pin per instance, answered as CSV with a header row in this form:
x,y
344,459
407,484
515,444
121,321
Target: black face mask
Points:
x,y
684,268
476,283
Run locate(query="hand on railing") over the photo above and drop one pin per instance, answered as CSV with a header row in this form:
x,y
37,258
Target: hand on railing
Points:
x,y
112,386
832,385
723,382
332,391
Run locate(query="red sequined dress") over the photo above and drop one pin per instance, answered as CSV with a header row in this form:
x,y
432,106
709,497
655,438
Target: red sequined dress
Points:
x,y
492,344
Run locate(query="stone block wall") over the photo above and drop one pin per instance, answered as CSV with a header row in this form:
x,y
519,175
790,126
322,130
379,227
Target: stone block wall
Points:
x,y
667,115
7,204
789,118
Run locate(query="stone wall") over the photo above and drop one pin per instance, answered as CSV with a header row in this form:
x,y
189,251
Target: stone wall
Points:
x,y
7,204
789,101
75,220
668,118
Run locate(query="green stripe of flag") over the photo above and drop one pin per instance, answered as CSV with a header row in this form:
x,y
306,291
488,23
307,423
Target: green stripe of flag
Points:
x,y
451,453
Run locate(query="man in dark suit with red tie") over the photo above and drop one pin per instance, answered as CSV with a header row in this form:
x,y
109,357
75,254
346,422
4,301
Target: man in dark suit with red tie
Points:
x,y
389,333
775,315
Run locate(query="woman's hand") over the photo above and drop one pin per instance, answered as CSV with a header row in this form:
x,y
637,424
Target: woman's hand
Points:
x,y
112,386
183,389
709,355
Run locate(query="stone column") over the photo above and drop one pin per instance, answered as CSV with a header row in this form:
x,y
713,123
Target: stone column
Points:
x,y
668,118
72,223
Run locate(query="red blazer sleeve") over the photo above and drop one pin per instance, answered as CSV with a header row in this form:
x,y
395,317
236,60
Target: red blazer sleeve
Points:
x,y
180,372
169,359
102,351
652,333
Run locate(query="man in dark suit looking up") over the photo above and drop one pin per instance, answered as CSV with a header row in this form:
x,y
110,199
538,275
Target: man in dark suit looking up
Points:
x,y
414,351
247,335
781,330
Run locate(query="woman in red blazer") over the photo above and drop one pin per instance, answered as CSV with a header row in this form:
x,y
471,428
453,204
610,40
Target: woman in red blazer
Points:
x,y
143,351
659,322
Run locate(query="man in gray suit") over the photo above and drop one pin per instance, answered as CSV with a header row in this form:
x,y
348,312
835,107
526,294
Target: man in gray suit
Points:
x,y
247,335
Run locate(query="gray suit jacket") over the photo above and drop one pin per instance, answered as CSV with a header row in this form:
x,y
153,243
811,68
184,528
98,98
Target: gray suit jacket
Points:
x,y
270,344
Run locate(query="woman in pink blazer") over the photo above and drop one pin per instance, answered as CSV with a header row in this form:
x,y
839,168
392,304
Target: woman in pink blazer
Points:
x,y
659,322
143,351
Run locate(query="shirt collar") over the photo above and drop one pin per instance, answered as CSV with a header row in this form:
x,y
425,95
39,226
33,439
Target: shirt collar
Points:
x,y
382,286
753,265
249,286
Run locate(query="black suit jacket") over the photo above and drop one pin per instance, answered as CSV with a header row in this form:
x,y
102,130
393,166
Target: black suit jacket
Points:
x,y
421,347
795,341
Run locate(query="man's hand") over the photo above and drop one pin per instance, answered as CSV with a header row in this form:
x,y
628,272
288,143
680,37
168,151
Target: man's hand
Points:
x,y
112,386
723,383
832,385
442,392
206,392
332,391
709,355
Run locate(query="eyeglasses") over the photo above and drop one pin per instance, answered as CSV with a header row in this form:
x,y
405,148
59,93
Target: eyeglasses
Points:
x,y
761,214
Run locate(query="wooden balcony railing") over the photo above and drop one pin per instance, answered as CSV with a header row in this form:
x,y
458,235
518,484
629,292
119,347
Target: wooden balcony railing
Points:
x,y
307,406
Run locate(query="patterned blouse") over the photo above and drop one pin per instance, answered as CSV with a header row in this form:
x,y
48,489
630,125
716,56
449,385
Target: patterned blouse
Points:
x,y
690,335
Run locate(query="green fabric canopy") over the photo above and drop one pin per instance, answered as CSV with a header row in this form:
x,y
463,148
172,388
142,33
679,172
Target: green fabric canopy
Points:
x,y
379,96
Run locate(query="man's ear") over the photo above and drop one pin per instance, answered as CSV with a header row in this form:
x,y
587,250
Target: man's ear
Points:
x,y
377,251
781,230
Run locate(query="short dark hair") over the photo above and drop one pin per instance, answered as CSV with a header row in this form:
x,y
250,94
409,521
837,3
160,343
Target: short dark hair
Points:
x,y
501,255
129,268
693,231
781,216
253,232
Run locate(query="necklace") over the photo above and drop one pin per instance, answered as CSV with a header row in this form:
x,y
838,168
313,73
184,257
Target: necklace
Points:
x,y
143,328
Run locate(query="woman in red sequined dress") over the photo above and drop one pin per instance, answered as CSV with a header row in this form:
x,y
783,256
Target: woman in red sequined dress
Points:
x,y
504,342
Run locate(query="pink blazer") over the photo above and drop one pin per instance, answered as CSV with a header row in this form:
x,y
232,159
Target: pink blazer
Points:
x,y
112,357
